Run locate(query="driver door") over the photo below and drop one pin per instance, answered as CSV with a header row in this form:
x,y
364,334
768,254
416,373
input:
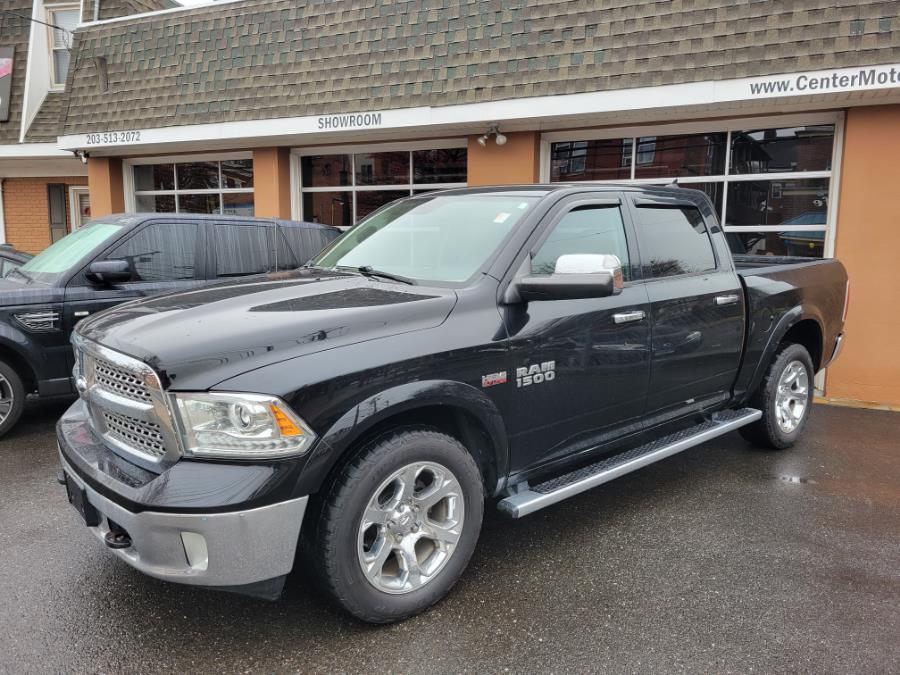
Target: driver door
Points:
x,y
162,256
599,348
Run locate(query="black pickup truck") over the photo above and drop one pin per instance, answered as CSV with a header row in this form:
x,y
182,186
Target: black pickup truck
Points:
x,y
518,344
119,258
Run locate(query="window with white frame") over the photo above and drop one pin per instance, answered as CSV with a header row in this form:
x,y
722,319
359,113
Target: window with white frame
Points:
x,y
343,185
770,183
63,19
191,185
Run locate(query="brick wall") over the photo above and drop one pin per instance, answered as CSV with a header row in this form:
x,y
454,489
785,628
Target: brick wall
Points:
x,y
26,210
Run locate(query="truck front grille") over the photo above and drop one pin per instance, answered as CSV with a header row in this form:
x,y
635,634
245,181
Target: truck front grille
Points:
x,y
128,407
120,381
144,436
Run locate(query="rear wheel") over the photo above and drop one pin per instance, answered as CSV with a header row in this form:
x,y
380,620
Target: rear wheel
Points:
x,y
785,397
399,524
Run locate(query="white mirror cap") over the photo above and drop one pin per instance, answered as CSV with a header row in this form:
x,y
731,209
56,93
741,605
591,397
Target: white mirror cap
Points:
x,y
587,263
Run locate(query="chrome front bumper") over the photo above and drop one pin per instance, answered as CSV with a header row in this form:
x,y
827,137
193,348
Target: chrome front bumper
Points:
x,y
235,549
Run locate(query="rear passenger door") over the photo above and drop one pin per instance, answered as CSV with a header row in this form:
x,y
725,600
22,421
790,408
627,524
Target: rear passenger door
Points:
x,y
240,249
696,307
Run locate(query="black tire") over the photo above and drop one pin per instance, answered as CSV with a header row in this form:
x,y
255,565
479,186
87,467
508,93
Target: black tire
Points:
x,y
333,541
767,432
12,390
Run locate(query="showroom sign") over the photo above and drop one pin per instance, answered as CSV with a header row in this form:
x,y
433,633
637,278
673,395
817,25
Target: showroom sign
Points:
x,y
7,54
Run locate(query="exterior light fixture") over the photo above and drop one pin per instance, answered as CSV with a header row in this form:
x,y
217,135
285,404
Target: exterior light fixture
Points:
x,y
494,130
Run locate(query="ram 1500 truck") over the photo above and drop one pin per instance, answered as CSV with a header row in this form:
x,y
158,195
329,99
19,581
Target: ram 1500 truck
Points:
x,y
118,258
517,344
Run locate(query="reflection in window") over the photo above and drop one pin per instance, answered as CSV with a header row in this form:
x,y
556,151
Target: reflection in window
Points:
x,y
787,202
786,150
590,229
607,159
400,172
796,243
195,187
680,156
674,240
160,252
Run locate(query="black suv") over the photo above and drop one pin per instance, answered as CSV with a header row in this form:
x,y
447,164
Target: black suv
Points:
x,y
119,258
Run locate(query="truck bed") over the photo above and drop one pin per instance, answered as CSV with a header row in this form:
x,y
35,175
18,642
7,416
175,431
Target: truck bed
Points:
x,y
780,292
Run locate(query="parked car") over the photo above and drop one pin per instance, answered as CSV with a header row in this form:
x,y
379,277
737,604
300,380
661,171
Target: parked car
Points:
x,y
524,344
121,258
12,258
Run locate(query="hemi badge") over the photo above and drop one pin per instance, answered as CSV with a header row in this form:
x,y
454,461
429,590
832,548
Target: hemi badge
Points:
x,y
493,378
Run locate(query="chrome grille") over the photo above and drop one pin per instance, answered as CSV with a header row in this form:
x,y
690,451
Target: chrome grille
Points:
x,y
144,436
120,381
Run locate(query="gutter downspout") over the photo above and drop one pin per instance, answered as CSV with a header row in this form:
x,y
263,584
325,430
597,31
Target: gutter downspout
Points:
x,y
96,10
2,215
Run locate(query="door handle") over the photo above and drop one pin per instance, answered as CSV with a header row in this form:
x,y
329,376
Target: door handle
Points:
x,y
727,299
628,317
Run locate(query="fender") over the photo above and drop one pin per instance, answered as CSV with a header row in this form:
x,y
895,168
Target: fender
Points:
x,y
789,319
22,347
353,424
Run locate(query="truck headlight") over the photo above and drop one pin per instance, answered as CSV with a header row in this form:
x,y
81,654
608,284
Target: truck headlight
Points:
x,y
240,426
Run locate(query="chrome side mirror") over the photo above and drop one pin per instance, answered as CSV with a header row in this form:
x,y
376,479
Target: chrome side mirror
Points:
x,y
576,276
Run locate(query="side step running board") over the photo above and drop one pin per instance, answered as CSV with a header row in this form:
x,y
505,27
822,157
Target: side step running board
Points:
x,y
570,484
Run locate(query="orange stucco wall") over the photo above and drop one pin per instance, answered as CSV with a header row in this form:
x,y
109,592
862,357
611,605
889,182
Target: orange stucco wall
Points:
x,y
272,182
518,161
26,210
105,182
868,240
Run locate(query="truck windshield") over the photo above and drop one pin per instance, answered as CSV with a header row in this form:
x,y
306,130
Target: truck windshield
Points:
x,y
441,238
53,262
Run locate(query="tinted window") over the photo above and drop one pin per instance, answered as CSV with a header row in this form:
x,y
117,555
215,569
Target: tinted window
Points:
x,y
589,229
296,245
673,241
241,249
159,252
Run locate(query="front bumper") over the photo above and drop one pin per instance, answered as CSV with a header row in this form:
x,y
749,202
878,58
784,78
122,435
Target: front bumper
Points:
x,y
248,550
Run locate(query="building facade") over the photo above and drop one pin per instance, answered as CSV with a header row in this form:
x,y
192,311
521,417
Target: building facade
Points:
x,y
43,189
785,114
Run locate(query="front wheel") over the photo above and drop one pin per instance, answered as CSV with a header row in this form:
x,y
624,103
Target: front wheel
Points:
x,y
785,397
12,397
399,524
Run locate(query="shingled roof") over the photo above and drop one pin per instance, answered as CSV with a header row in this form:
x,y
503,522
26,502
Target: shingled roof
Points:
x,y
265,59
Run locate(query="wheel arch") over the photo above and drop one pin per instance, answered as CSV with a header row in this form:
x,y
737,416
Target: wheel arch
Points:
x,y
454,408
18,362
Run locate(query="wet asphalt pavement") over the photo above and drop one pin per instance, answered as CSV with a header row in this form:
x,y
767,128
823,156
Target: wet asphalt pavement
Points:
x,y
721,559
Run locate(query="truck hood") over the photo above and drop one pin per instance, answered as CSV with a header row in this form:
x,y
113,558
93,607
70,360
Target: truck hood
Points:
x,y
196,339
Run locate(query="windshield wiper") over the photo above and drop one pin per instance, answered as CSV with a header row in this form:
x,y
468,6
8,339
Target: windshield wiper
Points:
x,y
369,271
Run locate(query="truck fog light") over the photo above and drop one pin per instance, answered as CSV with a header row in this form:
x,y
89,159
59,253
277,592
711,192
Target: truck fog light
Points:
x,y
195,550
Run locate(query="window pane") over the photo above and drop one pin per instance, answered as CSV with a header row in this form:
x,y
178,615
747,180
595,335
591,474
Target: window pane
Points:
x,y
155,203
237,173
440,166
325,170
673,241
805,244
694,155
154,177
198,203
160,252
198,176
237,204
766,202
382,168
241,249
780,150
370,200
296,245
60,65
331,208
67,19
585,230
590,160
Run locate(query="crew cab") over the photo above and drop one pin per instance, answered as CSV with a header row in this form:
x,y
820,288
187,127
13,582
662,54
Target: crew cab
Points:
x,y
510,345
119,258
